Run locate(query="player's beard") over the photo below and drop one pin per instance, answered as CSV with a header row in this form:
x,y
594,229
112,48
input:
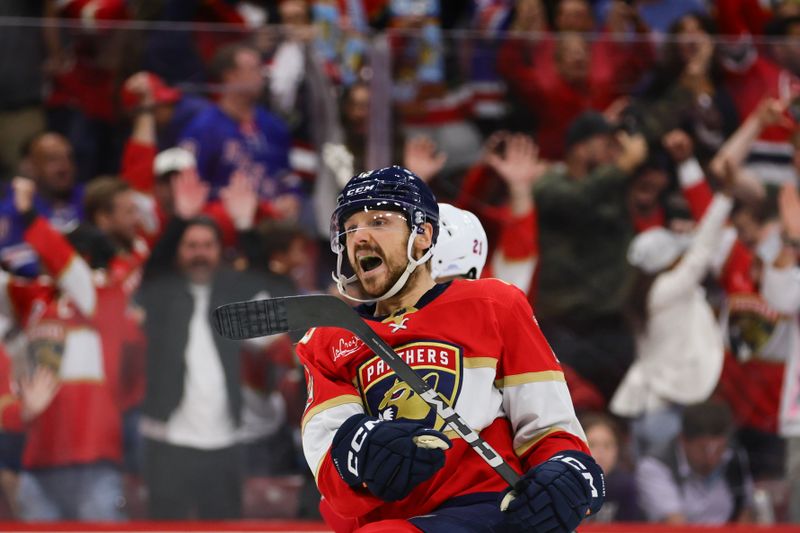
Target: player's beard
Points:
x,y
393,267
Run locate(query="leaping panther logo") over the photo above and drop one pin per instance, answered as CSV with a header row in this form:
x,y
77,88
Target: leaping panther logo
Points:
x,y
400,401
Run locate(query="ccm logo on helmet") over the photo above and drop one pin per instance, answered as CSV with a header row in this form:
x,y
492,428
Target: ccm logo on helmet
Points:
x,y
359,190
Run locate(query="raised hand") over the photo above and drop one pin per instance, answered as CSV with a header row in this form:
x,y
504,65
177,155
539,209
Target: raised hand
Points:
x,y
634,151
519,165
420,157
139,84
189,194
771,111
613,113
240,200
728,176
37,391
24,191
339,160
515,158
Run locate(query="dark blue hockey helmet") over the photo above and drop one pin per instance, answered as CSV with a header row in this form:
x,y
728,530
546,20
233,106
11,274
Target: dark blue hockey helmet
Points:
x,y
389,189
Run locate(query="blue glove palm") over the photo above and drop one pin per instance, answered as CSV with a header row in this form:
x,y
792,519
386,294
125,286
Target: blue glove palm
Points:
x,y
556,495
390,457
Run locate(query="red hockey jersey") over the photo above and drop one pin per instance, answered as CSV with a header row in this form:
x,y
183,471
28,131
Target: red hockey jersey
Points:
x,y
479,345
10,408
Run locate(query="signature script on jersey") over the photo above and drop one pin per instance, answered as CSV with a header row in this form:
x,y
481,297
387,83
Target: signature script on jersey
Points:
x,y
346,347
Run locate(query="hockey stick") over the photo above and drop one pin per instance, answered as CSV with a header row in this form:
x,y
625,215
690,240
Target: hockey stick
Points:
x,y
257,318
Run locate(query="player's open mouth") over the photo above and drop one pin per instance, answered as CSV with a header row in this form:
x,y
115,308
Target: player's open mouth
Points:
x,y
369,262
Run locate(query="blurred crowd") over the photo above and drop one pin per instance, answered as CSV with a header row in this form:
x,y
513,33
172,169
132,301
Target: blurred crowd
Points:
x,y
635,165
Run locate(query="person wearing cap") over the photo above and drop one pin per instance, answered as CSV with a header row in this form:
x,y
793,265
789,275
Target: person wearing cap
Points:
x,y
584,232
679,343
160,113
166,165
147,96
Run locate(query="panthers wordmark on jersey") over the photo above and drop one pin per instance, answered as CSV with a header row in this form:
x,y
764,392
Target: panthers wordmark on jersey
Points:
x,y
478,344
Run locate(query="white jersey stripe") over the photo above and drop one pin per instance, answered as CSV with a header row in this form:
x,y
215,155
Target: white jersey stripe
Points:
x,y
538,407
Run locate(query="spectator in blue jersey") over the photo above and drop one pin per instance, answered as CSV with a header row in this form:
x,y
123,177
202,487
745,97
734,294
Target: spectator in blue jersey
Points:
x,y
237,135
47,159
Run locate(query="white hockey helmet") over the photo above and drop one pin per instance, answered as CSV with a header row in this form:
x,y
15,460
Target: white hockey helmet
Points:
x,y
461,248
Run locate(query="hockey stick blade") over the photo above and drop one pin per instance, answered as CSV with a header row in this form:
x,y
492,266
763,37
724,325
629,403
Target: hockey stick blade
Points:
x,y
257,318
248,320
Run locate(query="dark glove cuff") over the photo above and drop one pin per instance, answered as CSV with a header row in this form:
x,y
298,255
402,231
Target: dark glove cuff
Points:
x,y
349,446
588,472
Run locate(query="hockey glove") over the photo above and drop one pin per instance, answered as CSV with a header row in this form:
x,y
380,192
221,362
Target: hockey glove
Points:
x,y
389,457
556,495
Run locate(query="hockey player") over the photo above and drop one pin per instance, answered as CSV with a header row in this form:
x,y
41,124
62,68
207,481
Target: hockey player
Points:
x,y
477,344
461,248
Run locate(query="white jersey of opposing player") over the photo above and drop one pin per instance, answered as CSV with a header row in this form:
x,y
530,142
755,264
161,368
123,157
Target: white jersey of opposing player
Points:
x,y
461,248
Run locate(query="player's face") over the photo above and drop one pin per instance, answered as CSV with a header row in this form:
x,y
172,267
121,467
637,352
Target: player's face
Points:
x,y
376,244
199,253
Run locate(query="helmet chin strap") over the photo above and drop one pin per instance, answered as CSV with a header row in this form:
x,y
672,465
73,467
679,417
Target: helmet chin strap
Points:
x,y
343,281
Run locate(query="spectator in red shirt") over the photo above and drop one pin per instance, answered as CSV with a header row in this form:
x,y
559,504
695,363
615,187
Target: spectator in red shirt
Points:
x,y
576,85
557,79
